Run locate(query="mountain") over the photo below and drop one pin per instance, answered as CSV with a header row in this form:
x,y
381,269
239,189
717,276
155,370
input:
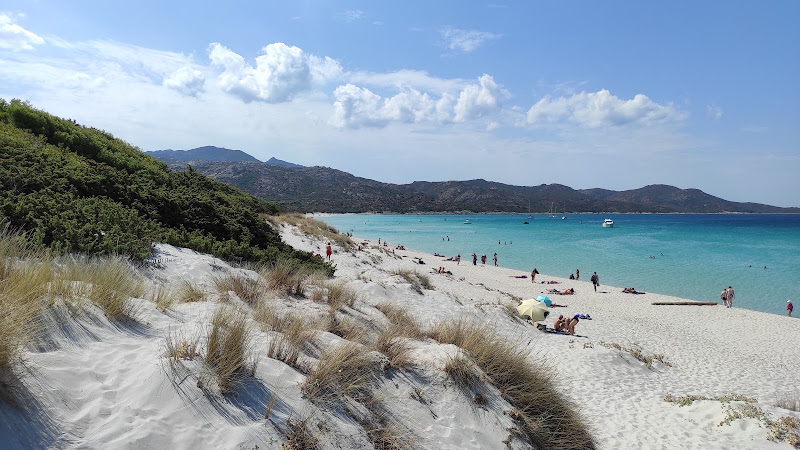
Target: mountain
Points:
x,y
323,189
207,153
278,162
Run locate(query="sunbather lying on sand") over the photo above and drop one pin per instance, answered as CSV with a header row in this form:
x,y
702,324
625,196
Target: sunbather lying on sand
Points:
x,y
568,291
631,290
550,282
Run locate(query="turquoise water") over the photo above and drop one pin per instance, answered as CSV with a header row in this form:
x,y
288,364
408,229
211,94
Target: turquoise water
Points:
x,y
696,255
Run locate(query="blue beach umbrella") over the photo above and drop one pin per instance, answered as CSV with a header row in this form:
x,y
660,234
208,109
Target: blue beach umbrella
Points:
x,y
544,299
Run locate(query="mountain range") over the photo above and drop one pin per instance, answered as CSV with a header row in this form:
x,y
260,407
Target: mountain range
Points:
x,y
323,189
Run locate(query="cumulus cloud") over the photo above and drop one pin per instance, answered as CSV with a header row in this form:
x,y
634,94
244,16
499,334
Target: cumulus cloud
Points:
x,y
281,73
465,40
187,81
14,37
597,109
358,107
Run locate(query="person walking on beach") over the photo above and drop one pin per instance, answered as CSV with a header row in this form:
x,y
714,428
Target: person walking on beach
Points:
x,y
328,251
595,281
724,296
533,274
577,274
494,258
789,308
458,259
474,259
730,295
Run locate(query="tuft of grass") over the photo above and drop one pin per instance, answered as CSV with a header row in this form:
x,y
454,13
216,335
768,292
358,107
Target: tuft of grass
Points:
x,y
340,294
113,282
345,371
188,292
282,349
286,276
299,437
400,319
463,372
787,429
687,400
246,288
228,347
178,347
548,418
163,297
417,280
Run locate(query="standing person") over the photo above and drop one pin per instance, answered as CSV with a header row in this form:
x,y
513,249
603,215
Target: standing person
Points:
x,y
724,296
533,274
474,259
595,281
577,274
730,296
494,258
789,308
458,259
328,251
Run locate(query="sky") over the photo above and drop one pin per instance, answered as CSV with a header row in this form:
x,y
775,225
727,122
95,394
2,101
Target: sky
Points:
x,y
615,95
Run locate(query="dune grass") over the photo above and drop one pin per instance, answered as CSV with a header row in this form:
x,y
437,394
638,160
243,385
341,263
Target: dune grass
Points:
x,y
228,348
113,282
285,276
163,296
547,417
340,294
314,227
348,370
249,290
418,281
189,292
463,372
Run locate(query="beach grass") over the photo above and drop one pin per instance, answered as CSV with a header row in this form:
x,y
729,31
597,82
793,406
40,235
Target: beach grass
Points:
x,y
549,419
190,292
228,347
313,227
248,289
347,370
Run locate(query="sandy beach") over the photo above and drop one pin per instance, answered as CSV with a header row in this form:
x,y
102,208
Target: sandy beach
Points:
x,y
102,384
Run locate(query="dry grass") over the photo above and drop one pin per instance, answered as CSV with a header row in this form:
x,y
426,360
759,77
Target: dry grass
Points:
x,y
350,329
417,280
547,417
249,290
348,370
282,349
463,372
637,353
400,319
285,276
113,282
340,294
188,292
299,437
314,227
228,348
164,297
178,347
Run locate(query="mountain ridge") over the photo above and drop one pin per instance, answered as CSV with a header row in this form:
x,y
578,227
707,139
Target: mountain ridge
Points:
x,y
324,189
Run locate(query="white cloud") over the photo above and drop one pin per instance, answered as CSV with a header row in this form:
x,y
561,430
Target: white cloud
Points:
x,y
353,15
597,109
465,40
356,107
420,79
280,74
714,111
478,100
14,37
187,81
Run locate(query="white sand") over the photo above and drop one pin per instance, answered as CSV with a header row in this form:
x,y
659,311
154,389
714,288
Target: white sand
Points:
x,y
97,384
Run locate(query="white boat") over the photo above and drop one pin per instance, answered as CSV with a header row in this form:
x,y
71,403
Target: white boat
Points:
x,y
467,222
608,223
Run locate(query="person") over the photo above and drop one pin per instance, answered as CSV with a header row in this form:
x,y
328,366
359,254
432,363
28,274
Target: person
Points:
x,y
494,258
533,274
474,259
571,324
789,308
458,259
560,323
730,296
595,281
724,296
328,251
572,276
568,291
577,274
483,259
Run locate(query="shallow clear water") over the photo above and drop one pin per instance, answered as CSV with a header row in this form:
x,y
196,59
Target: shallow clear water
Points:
x,y
695,255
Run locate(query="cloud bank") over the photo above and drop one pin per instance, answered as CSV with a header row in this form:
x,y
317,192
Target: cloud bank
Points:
x,y
14,37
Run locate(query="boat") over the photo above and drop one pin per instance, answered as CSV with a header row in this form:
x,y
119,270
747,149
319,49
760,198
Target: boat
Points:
x,y
467,222
608,223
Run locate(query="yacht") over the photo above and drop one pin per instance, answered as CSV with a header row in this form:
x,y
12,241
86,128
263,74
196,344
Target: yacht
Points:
x,y
608,223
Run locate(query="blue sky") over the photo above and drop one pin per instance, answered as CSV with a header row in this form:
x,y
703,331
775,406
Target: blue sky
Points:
x,y
616,95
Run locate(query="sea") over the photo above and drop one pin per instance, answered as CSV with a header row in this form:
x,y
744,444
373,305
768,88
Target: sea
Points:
x,y
692,256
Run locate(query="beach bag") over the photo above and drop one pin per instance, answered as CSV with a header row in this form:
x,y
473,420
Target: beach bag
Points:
x,y
541,327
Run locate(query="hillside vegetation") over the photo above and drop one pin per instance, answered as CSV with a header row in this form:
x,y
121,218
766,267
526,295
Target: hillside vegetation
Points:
x,y
79,189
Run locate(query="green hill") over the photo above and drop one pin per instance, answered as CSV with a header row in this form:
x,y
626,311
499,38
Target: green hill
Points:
x,y
79,189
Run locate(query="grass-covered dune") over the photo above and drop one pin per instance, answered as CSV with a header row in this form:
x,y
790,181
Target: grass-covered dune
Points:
x,y
79,189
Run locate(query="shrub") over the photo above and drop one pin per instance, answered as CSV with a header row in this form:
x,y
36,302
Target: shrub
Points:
x,y
228,347
547,417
